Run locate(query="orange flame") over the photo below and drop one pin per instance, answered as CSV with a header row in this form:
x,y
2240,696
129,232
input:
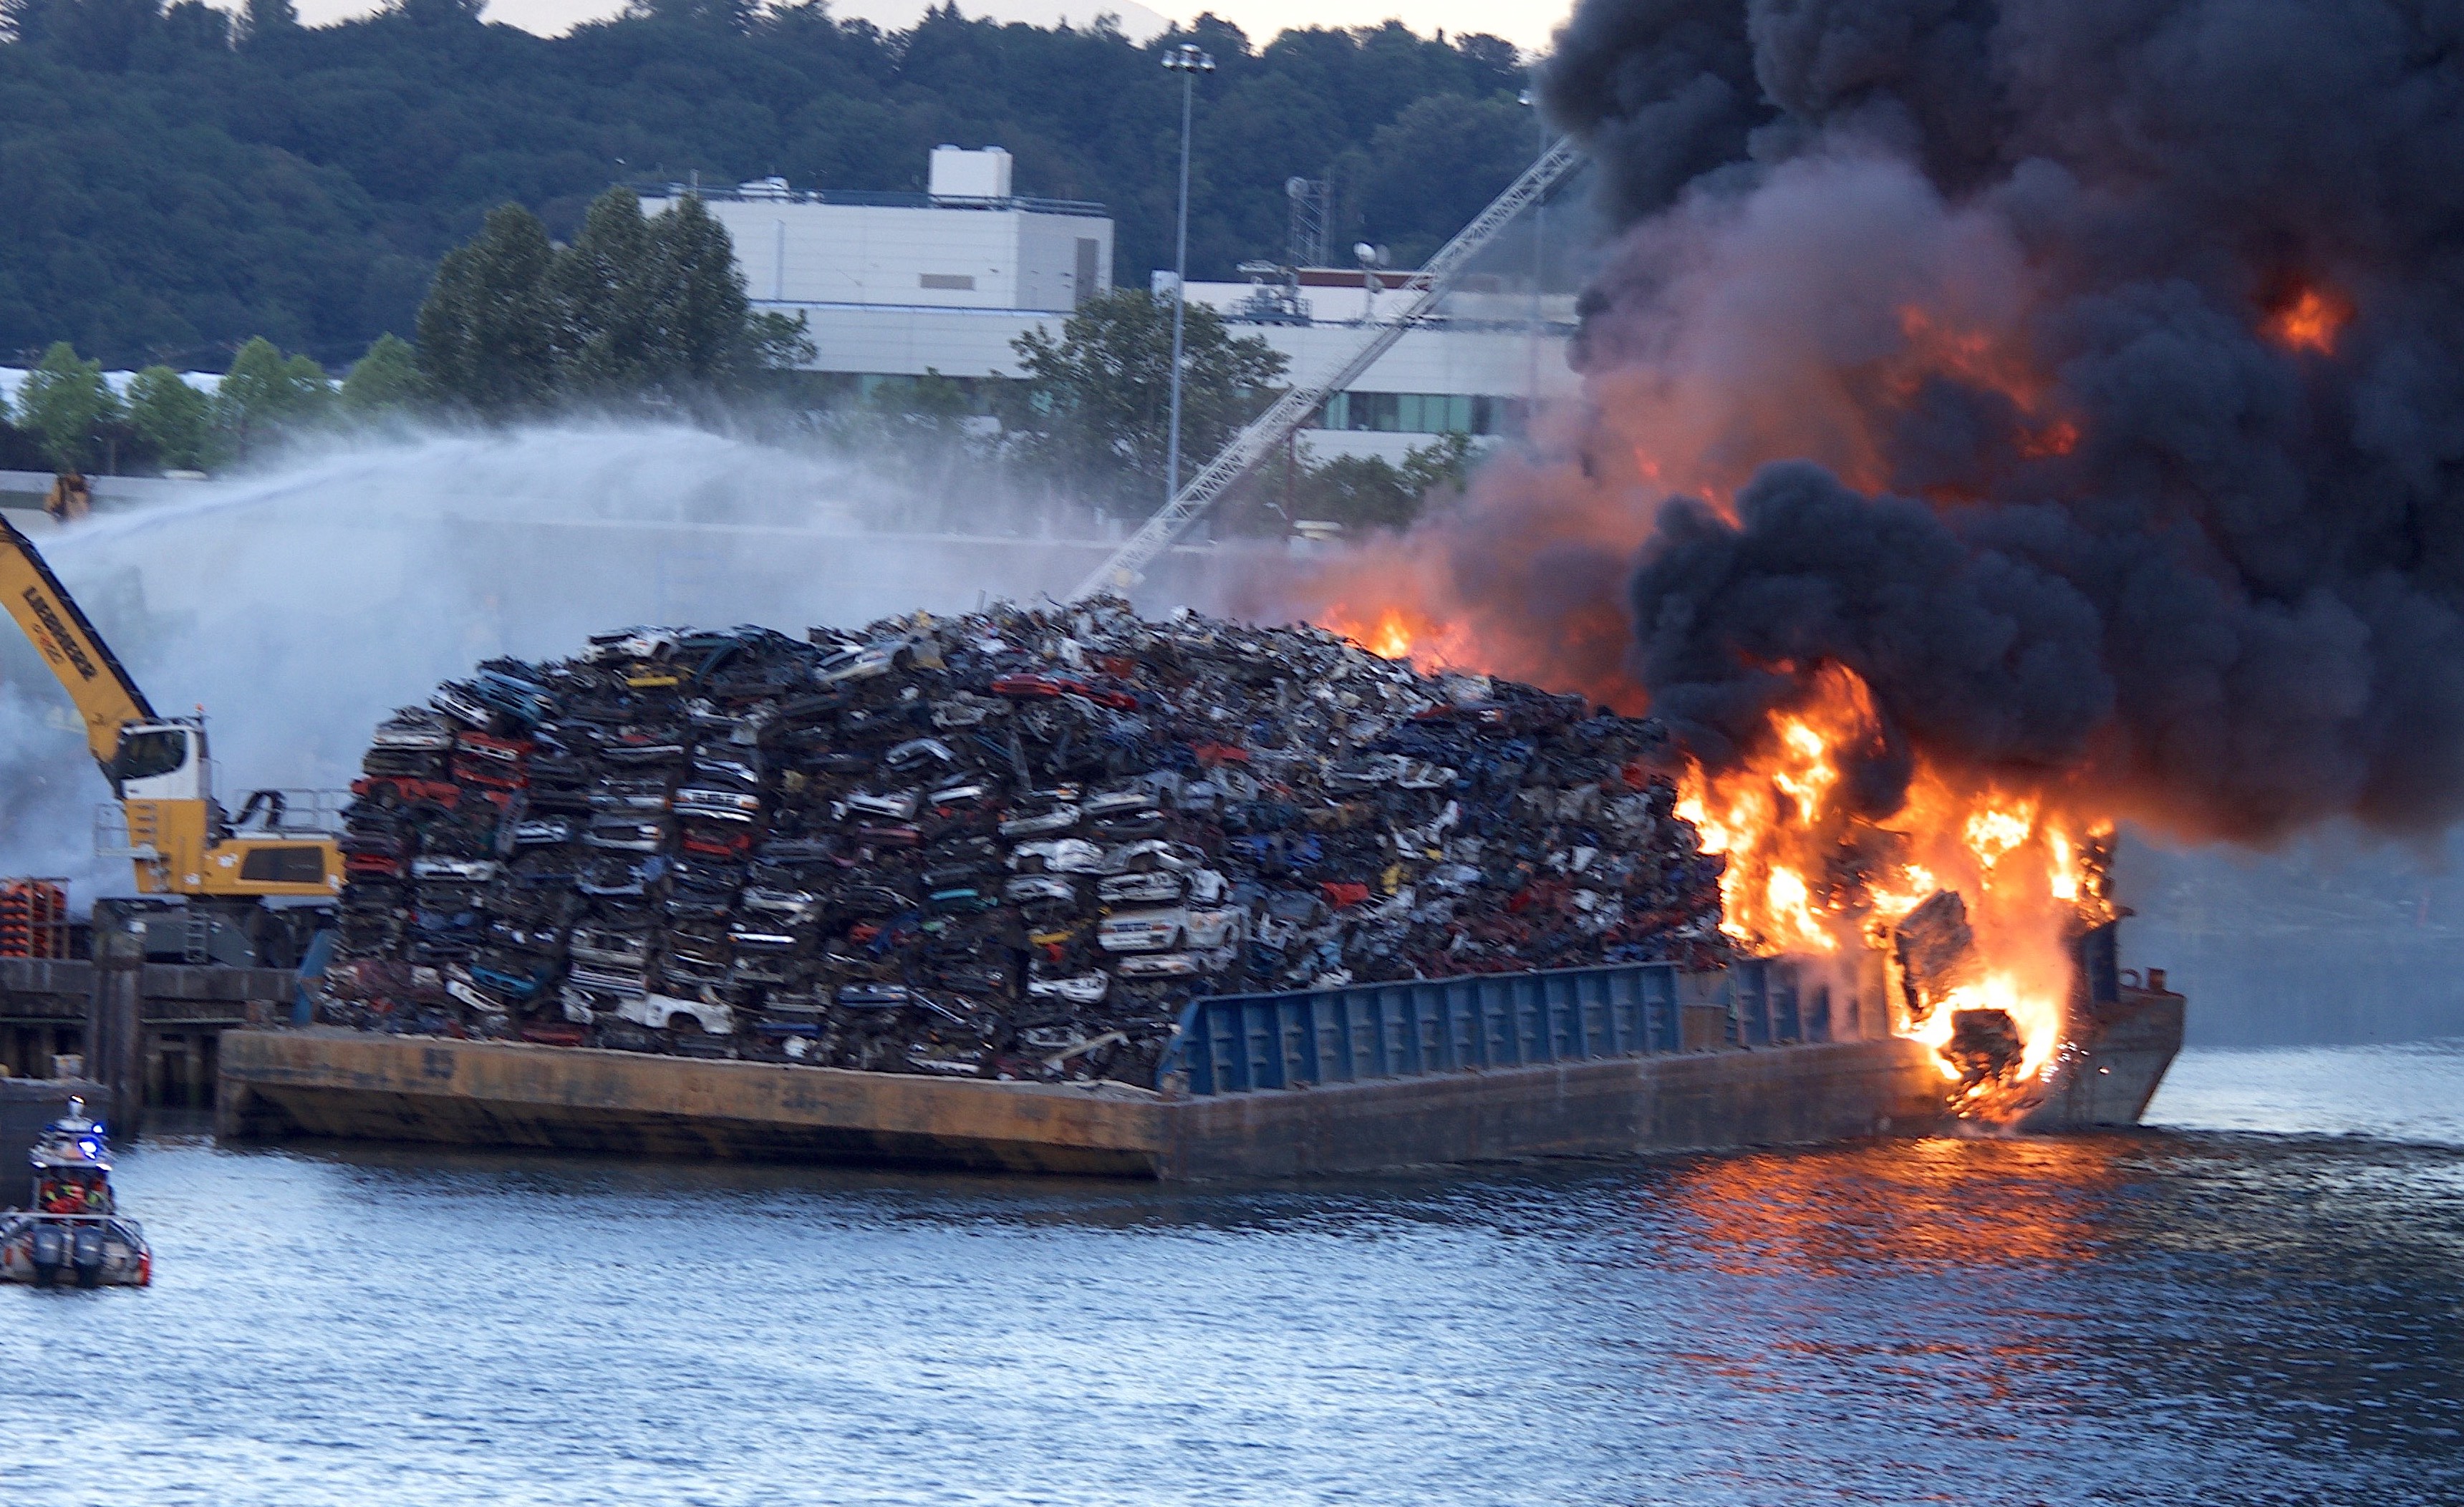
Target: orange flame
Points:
x,y
1808,870
1807,874
1400,633
2311,322
1978,358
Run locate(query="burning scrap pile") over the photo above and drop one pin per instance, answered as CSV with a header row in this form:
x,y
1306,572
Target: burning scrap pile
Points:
x,y
1973,897
1992,429
1011,845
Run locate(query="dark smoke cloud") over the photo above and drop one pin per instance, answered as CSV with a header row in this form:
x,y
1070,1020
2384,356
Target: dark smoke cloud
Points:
x,y
2237,603
1985,656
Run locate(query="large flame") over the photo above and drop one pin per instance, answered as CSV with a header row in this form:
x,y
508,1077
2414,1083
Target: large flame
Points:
x,y
1808,871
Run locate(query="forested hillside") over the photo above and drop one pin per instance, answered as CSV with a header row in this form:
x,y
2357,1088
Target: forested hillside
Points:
x,y
174,181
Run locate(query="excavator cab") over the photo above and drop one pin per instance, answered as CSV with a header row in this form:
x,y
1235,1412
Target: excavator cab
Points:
x,y
159,761
184,843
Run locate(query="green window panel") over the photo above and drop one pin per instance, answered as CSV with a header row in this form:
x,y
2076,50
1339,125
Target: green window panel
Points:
x,y
1417,413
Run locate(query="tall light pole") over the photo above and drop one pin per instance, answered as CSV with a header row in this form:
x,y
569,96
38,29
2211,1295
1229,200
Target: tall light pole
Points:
x,y
1529,99
1188,61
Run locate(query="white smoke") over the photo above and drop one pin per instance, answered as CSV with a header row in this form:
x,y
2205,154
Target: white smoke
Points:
x,y
300,606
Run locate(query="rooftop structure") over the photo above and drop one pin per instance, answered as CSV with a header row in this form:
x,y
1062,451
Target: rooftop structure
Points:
x,y
967,243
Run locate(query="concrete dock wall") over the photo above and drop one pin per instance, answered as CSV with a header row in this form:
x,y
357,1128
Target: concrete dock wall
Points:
x,y
148,1029
337,1083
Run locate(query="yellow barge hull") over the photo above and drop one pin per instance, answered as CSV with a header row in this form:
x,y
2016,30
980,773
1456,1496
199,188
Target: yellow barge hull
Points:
x,y
325,1082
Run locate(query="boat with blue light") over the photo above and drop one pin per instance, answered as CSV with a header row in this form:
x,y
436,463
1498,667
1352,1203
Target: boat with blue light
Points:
x,y
74,1234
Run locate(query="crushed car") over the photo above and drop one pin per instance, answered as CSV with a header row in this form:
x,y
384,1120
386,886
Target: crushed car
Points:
x,y
1013,845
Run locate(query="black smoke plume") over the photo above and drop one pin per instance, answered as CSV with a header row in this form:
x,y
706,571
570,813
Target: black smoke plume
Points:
x,y
2205,552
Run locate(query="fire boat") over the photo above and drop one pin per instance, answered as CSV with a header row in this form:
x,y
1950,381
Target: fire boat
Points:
x,y
75,1230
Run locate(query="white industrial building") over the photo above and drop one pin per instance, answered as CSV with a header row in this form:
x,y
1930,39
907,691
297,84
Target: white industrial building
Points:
x,y
1476,369
968,243
895,286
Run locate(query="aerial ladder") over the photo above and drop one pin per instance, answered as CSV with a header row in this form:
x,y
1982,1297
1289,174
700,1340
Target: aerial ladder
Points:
x,y
1266,433
163,815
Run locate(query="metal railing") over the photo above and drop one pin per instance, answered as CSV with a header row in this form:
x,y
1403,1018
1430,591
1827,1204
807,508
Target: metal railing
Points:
x,y
1292,410
118,835
293,813
866,199
299,813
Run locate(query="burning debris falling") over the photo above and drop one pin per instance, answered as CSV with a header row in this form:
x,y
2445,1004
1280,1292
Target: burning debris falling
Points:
x,y
1012,845
2080,385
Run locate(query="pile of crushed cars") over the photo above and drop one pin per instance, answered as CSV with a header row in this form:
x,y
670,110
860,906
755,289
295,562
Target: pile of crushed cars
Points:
x,y
1012,845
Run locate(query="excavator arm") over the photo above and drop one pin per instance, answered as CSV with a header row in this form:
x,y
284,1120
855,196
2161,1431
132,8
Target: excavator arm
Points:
x,y
105,697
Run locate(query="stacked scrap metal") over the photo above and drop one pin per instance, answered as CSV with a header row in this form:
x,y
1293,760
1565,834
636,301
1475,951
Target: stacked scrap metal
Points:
x,y
1011,845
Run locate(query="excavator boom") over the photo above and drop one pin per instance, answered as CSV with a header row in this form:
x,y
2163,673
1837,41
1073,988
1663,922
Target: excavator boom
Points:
x,y
105,697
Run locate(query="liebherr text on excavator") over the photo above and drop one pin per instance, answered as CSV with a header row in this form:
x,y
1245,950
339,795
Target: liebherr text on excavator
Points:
x,y
183,841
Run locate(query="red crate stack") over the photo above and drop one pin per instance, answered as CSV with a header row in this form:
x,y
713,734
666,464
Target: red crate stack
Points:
x,y
34,918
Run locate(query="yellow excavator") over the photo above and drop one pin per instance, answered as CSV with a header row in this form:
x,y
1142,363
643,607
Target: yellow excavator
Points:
x,y
182,840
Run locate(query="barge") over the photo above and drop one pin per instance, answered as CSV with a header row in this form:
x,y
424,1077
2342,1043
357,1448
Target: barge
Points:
x,y
1612,1061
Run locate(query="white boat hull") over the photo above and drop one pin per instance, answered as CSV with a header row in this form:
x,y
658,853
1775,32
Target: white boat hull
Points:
x,y
73,1251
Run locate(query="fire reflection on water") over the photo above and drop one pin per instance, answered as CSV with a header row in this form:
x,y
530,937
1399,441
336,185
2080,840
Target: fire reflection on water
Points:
x,y
1914,1207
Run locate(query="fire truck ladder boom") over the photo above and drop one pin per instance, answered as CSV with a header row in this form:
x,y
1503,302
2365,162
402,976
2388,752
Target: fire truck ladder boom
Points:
x,y
1292,410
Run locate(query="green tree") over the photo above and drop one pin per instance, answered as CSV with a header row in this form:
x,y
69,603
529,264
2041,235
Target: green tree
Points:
x,y
384,381
632,308
260,19
929,440
440,12
65,401
325,202
172,419
1436,166
1096,401
733,18
712,338
1363,492
606,286
266,396
1356,491
490,329
1439,467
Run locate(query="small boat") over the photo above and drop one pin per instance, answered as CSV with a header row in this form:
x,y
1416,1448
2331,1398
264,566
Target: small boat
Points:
x,y
74,1233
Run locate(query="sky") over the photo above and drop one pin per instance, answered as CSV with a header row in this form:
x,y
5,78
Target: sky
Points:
x,y
1527,26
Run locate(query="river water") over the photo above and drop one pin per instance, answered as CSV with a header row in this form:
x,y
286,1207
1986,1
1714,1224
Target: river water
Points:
x,y
2261,1302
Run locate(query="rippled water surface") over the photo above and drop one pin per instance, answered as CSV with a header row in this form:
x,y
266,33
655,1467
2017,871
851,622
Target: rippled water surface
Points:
x,y
2265,1305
